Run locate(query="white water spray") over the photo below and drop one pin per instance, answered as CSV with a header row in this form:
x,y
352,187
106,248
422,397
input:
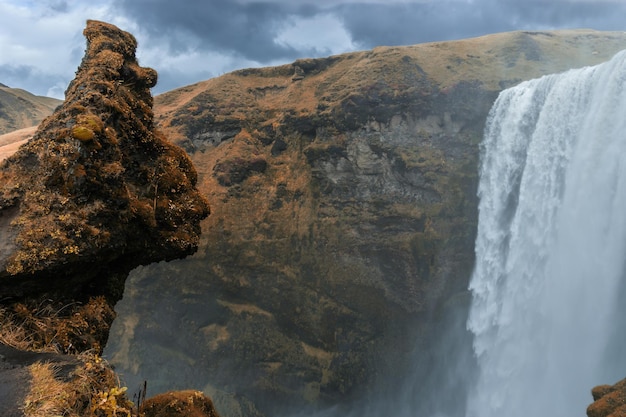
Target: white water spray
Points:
x,y
551,244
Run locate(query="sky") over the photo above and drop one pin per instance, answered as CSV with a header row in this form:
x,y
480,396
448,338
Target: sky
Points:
x,y
186,41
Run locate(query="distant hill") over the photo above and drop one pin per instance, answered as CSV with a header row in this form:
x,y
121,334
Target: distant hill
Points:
x,y
20,109
9,142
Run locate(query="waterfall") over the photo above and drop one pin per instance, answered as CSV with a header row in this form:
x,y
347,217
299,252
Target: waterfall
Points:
x,y
551,244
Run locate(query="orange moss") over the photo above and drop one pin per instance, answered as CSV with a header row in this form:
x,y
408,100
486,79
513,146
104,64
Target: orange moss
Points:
x,y
179,404
610,401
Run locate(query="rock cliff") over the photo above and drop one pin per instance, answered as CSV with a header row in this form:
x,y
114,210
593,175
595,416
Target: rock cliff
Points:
x,y
343,220
96,192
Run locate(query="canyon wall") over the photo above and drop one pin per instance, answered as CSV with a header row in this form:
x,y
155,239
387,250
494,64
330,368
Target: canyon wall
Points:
x,y
344,210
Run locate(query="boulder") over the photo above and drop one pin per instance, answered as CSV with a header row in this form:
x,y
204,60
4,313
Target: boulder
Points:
x,y
608,400
179,404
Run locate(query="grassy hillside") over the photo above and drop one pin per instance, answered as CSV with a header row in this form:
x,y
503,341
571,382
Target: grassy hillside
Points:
x,y
20,109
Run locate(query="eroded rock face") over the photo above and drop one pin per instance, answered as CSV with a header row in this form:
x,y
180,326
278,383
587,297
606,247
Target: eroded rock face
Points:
x,y
97,191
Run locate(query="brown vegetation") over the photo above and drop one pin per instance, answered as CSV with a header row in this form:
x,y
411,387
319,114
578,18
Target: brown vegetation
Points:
x,y
609,401
94,193
179,404
91,390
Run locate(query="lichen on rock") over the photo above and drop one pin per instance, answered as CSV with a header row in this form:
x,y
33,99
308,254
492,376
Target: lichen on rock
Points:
x,y
609,400
97,191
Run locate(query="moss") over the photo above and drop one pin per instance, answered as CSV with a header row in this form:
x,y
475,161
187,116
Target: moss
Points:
x,y
179,404
83,133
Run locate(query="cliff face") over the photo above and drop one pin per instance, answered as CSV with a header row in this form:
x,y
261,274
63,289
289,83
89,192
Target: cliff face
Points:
x,y
343,218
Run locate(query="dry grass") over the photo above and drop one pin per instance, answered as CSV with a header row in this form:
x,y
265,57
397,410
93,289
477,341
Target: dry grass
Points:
x,y
50,327
91,391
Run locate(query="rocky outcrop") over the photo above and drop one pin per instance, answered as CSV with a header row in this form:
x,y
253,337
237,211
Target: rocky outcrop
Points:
x,y
609,401
96,192
20,109
179,404
343,221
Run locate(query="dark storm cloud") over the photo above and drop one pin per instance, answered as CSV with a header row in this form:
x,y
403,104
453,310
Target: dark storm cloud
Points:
x,y
593,14
249,29
244,30
29,78
411,23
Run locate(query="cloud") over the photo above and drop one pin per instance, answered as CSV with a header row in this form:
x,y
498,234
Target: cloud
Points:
x,y
542,14
248,30
196,39
33,79
216,36
42,42
411,23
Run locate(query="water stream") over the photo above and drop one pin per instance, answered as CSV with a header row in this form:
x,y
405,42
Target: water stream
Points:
x,y
551,245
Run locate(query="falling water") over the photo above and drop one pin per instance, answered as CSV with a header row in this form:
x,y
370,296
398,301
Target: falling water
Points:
x,y
551,245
